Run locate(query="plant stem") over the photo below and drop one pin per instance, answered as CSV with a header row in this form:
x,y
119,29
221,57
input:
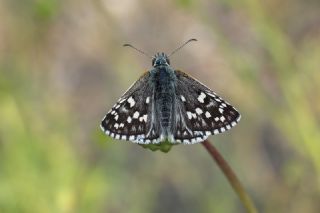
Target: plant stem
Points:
x,y
233,180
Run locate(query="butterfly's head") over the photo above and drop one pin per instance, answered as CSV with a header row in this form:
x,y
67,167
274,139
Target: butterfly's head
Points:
x,y
160,59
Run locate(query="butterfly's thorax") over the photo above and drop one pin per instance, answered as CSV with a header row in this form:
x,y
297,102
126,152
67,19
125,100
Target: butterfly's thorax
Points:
x,y
164,84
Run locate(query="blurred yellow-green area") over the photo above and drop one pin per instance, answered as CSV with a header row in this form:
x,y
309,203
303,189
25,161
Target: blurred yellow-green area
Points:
x,y
62,67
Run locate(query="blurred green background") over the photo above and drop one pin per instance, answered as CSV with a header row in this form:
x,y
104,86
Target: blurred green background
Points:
x,y
62,67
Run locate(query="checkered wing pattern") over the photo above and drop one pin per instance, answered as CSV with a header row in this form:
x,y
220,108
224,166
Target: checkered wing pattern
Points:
x,y
199,111
132,117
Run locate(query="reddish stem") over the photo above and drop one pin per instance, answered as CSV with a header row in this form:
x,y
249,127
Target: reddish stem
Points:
x,y
232,178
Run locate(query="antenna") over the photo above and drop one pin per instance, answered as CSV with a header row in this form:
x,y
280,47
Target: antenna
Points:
x,y
129,45
174,51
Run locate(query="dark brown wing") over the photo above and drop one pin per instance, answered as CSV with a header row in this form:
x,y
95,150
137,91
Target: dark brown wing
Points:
x,y
200,112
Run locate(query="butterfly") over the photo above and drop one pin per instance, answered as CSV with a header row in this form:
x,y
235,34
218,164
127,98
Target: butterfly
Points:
x,y
165,104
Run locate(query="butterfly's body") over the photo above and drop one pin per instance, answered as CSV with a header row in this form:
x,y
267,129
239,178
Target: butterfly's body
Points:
x,y
167,104
163,82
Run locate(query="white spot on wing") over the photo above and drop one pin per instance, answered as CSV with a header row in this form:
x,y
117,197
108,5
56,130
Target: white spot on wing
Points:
x,y
147,100
122,100
131,102
199,111
208,115
136,114
143,118
183,98
102,128
212,95
116,117
129,119
222,118
201,97
186,141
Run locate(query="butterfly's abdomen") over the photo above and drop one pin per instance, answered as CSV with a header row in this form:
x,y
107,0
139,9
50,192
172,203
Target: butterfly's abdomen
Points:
x,y
164,96
165,109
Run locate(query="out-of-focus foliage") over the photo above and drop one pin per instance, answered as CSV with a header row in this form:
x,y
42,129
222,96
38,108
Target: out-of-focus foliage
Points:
x,y
62,67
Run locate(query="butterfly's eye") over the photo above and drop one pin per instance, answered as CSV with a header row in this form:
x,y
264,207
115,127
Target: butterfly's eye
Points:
x,y
157,61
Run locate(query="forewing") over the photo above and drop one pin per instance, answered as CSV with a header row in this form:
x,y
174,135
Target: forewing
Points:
x,y
199,111
132,117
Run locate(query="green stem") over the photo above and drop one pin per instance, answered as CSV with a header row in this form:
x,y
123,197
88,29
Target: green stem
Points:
x,y
233,180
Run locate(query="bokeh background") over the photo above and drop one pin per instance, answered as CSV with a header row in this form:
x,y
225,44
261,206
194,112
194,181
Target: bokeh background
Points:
x,y
62,67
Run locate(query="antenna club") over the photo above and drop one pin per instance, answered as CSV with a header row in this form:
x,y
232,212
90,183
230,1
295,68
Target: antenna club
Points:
x,y
133,47
185,43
